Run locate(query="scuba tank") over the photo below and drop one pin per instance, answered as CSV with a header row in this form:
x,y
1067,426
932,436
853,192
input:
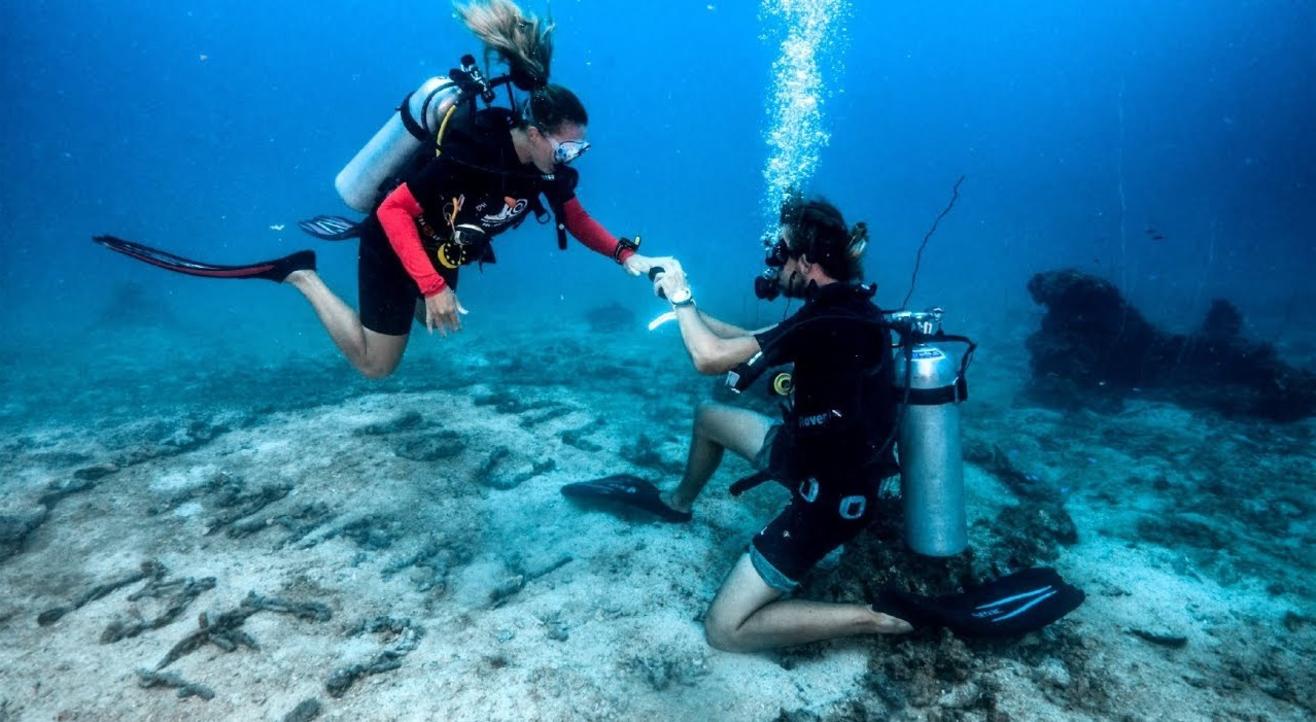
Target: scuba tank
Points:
x,y
931,386
364,179
420,118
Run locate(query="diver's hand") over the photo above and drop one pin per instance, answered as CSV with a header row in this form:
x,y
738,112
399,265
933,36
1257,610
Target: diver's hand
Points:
x,y
443,312
638,265
672,282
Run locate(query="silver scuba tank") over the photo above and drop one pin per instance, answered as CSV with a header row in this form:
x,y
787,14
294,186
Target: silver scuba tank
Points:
x,y
362,181
931,463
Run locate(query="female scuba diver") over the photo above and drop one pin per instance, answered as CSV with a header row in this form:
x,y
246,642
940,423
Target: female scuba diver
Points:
x,y
439,212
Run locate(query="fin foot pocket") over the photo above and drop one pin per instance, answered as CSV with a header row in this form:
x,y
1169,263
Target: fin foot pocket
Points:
x,y
626,491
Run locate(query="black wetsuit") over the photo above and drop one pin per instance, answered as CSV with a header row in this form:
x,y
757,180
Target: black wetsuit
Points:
x,y
829,447
480,166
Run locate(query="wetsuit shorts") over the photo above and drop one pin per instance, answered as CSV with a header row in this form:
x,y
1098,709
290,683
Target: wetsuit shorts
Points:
x,y
386,295
816,521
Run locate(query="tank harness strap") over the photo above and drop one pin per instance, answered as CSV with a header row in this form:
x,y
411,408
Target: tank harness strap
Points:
x,y
559,222
414,128
538,210
956,392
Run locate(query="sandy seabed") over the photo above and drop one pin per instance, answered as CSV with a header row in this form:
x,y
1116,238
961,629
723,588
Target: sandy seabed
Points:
x,y
288,542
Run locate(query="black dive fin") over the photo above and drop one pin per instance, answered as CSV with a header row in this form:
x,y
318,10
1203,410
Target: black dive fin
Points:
x,y
331,228
628,491
1014,604
276,270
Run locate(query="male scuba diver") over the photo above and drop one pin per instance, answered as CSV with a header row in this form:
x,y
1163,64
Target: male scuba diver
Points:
x,y
832,449
481,172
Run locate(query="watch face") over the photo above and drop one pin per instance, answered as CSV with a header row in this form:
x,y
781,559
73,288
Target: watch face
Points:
x,y
681,296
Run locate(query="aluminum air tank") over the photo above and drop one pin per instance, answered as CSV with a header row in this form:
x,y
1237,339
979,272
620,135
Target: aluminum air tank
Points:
x,y
931,463
362,182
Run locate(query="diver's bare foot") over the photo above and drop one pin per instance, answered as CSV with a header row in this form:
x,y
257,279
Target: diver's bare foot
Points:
x,y
666,498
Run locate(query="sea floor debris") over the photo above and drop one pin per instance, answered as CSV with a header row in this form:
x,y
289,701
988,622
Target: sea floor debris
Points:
x,y
401,637
224,629
148,570
483,593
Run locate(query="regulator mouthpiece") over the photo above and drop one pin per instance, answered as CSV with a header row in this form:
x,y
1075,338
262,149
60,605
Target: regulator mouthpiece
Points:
x,y
775,257
766,286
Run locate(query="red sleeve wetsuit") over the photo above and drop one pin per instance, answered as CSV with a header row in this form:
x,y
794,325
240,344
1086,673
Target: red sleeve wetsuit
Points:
x,y
496,191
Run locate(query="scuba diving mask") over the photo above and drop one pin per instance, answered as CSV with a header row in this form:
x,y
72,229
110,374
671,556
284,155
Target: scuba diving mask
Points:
x,y
565,151
766,284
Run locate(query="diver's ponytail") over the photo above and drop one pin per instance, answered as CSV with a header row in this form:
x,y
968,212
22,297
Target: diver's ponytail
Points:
x,y
858,240
521,40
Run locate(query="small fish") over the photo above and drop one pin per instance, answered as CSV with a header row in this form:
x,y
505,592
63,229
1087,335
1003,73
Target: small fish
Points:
x,y
1153,234
277,227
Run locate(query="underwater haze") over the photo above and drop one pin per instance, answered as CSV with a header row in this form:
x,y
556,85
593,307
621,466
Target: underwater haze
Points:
x,y
1078,127
404,539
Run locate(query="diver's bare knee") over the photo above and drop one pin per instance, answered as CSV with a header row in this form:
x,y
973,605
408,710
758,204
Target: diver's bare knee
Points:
x,y
723,636
376,369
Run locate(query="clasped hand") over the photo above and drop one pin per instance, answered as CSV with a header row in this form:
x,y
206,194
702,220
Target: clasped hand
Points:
x,y
671,281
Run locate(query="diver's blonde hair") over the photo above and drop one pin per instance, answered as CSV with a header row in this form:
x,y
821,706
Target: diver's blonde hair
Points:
x,y
521,40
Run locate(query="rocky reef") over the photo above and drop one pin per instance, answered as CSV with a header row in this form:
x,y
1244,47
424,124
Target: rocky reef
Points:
x,y
1094,348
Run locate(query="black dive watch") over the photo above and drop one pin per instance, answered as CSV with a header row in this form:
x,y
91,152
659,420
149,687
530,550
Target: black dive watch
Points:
x,y
624,243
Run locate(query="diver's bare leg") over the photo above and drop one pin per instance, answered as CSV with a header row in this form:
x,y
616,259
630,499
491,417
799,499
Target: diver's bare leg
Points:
x,y
748,615
718,427
375,355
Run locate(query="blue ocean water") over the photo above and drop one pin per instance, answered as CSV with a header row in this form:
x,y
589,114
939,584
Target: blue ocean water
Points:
x,y
1165,147
196,127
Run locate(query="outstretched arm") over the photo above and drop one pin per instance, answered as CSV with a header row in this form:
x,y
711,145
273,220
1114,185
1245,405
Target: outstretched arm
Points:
x,y
727,330
712,352
562,195
591,233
